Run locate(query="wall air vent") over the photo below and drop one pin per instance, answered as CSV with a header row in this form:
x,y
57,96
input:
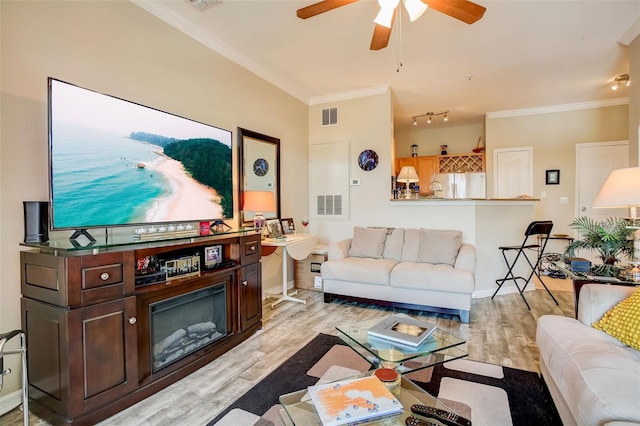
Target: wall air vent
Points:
x,y
203,4
330,116
329,205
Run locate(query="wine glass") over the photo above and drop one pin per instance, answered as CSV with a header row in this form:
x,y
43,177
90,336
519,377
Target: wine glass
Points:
x,y
305,223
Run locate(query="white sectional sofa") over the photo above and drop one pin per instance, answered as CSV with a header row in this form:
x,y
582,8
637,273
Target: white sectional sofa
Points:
x,y
423,269
594,379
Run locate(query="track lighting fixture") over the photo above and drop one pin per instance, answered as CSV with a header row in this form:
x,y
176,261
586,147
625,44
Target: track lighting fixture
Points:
x,y
621,80
429,116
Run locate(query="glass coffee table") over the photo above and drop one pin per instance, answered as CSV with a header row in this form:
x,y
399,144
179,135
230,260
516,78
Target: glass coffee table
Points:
x,y
440,347
298,408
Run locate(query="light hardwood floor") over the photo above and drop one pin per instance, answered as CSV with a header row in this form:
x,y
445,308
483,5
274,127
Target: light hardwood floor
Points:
x,y
501,331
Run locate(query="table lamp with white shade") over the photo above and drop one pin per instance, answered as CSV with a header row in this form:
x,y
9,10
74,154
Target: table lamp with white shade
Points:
x,y
407,175
259,202
622,190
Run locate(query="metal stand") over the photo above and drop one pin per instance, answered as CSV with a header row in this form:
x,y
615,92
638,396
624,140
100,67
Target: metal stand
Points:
x,y
22,351
285,296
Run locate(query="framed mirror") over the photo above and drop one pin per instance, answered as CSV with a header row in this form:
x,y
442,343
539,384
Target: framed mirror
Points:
x,y
259,171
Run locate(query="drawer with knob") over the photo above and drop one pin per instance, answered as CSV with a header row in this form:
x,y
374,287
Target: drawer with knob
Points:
x,y
74,281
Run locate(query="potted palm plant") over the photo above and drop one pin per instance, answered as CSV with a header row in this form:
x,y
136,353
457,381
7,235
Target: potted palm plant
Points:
x,y
610,238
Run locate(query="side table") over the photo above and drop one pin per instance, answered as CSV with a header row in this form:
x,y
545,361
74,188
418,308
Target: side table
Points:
x,y
579,279
298,246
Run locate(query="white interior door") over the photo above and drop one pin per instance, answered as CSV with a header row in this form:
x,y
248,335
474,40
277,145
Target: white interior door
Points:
x,y
513,172
594,162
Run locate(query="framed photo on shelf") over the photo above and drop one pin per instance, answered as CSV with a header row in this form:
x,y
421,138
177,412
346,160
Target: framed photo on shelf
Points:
x,y
288,227
273,228
212,256
553,177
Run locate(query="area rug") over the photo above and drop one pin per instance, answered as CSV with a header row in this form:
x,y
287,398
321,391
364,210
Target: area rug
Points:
x,y
485,393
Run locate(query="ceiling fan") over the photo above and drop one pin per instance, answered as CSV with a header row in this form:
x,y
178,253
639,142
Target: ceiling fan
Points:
x,y
464,10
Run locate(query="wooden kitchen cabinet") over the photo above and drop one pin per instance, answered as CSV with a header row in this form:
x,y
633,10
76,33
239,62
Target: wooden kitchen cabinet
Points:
x,y
426,167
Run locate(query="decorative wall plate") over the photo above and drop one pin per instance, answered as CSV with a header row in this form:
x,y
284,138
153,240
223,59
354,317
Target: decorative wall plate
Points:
x,y
368,160
260,167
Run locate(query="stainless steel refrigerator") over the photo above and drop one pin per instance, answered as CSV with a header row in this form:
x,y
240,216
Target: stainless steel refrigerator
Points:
x,y
462,185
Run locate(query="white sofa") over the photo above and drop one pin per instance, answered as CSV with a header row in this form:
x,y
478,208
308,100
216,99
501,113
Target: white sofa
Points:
x,y
422,269
594,379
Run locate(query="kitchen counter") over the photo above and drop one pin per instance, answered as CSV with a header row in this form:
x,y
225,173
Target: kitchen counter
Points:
x,y
471,201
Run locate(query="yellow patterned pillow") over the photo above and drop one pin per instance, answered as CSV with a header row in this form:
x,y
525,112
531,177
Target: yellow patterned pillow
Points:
x,y
623,321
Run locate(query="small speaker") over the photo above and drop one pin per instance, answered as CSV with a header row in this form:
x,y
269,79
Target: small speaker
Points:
x,y
36,221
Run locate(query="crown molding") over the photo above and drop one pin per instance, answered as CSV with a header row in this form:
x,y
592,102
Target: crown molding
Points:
x,y
558,108
631,33
196,32
350,94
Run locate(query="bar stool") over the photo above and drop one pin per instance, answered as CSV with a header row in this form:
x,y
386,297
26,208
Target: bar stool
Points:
x,y
23,351
540,230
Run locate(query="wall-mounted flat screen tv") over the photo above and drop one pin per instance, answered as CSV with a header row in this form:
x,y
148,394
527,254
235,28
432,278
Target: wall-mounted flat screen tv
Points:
x,y
115,163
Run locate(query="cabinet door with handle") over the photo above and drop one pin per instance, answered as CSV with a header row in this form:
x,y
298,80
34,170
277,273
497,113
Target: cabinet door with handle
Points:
x,y
250,295
103,353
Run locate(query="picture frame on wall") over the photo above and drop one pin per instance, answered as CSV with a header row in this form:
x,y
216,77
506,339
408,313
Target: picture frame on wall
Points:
x,y
288,227
553,177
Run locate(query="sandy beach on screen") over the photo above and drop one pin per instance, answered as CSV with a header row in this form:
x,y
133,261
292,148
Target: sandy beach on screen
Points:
x,y
188,199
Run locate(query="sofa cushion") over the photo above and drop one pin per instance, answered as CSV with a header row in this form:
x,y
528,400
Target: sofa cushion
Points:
x,y
411,245
359,269
439,246
596,374
368,242
393,244
427,276
623,321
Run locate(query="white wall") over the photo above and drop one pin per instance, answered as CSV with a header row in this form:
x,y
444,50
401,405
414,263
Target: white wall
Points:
x,y
554,136
460,139
117,48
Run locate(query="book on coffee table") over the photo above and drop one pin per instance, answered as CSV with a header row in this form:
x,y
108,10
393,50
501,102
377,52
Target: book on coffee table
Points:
x,y
404,330
353,400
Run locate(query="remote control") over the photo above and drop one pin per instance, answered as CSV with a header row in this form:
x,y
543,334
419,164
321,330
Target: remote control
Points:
x,y
444,416
414,421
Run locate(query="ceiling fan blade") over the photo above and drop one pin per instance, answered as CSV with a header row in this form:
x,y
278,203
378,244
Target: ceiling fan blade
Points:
x,y
321,7
463,10
381,35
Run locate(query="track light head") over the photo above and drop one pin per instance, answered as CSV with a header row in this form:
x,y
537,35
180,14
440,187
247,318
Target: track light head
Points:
x,y
621,80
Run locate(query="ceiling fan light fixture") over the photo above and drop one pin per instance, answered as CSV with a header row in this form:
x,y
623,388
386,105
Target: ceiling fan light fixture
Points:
x,y
415,8
385,16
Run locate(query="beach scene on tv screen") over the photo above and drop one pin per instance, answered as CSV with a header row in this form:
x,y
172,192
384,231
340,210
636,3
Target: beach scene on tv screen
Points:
x,y
114,162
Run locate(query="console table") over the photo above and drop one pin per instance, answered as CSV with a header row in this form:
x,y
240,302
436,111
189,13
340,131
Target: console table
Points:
x,y
92,317
298,246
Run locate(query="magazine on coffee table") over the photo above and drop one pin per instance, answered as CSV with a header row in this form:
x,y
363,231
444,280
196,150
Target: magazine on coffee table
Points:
x,y
353,400
404,330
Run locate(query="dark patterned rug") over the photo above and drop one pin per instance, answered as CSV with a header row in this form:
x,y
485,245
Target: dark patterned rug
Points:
x,y
487,394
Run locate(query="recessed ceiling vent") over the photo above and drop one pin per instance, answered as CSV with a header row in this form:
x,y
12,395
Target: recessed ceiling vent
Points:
x,y
330,116
203,4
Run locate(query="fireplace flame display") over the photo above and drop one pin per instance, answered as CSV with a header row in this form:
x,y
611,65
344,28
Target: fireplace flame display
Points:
x,y
182,342
185,323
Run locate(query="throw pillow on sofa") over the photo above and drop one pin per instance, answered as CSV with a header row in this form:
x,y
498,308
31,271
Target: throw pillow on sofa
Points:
x,y
439,246
367,242
623,321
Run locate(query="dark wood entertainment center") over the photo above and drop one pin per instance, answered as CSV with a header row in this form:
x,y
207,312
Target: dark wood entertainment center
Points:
x,y
89,318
